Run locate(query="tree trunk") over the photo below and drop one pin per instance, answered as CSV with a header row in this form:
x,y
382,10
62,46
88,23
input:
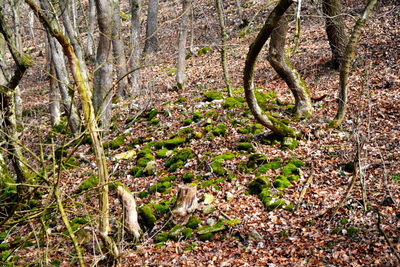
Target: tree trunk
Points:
x,y
335,30
60,71
267,120
151,44
183,32
90,37
349,55
221,17
7,105
186,204
91,125
136,9
55,115
102,84
286,71
119,53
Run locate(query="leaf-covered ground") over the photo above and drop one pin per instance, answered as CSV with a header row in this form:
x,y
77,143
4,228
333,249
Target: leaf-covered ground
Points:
x,y
227,150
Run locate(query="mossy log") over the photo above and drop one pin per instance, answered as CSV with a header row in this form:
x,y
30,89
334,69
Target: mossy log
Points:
x,y
130,211
266,119
186,204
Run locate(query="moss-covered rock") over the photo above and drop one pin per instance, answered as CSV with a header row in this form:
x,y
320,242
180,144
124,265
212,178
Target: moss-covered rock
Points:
x,y
279,203
136,171
187,121
177,233
225,156
220,130
293,178
161,154
257,185
289,169
256,160
232,102
270,139
289,143
150,168
88,183
188,177
151,114
244,146
254,128
213,95
180,100
281,182
144,160
116,143
217,168
147,216
197,116
272,165
174,142
265,196
179,159
193,222
219,226
160,187
297,163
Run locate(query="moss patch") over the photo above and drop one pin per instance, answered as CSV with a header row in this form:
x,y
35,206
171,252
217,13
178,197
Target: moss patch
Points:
x,y
116,143
88,183
244,146
213,95
178,160
257,185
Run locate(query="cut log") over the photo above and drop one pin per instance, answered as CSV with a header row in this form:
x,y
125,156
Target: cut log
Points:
x,y
185,205
130,211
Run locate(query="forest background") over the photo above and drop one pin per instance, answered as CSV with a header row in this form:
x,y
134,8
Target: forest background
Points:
x,y
199,132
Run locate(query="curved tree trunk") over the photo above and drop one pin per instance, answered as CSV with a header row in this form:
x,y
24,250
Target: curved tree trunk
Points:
x,y
286,71
102,84
136,9
349,55
335,30
221,17
267,120
119,53
151,44
183,33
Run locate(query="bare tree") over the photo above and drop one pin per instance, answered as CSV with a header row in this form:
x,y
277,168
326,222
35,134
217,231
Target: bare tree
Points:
x,y
151,43
286,71
136,9
102,84
90,47
349,55
183,33
335,29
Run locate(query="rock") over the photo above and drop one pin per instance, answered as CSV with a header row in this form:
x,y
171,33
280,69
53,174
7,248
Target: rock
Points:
x,y
208,198
150,168
229,196
125,155
254,235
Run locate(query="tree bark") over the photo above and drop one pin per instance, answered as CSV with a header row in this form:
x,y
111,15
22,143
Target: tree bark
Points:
x,y
151,43
224,36
349,55
90,37
335,30
183,33
267,120
286,71
136,9
55,115
91,125
186,204
7,105
119,53
102,85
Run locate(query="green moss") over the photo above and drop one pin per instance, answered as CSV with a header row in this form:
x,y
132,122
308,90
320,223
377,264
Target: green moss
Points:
x,y
232,102
279,203
289,207
60,153
206,237
352,231
256,160
213,95
220,130
293,178
272,165
281,182
180,100
174,142
87,183
265,196
187,121
289,143
186,132
188,177
179,159
212,114
191,246
162,237
143,194
255,128
217,168
136,171
257,185
167,178
154,122
160,187
271,139
151,114
219,226
202,51
264,99
143,160
147,216
225,156
289,169
162,153
193,222
197,116
245,147
116,143
4,246
8,191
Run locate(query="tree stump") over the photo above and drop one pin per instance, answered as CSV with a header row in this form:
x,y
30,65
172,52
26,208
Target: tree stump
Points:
x,y
185,205
130,211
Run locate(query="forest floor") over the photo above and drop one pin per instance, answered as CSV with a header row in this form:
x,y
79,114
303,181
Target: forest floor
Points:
x,y
230,150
